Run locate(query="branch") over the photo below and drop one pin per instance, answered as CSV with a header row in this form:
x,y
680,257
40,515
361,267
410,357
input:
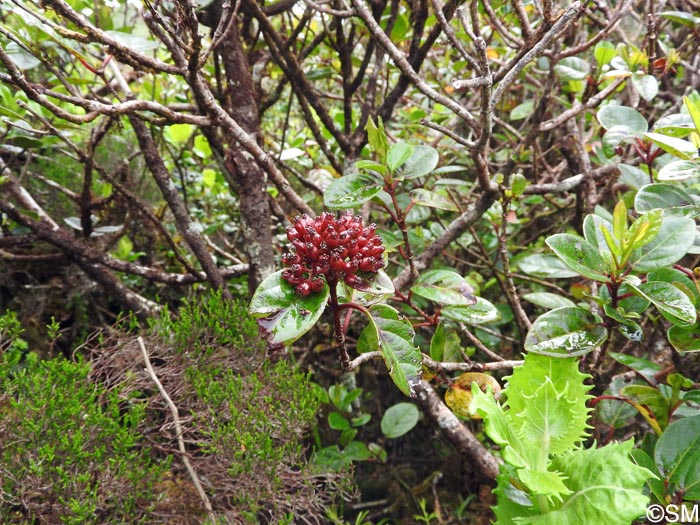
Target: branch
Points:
x,y
178,431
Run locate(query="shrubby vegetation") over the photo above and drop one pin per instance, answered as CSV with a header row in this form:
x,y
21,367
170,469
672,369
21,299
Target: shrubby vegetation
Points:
x,y
422,261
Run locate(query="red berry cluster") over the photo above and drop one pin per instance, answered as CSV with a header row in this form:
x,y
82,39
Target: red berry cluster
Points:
x,y
332,247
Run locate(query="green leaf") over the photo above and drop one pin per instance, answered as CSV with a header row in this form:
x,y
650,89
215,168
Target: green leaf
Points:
x,y
620,220
646,85
632,176
398,154
644,367
394,338
604,53
371,165
693,110
522,111
675,237
567,331
675,125
481,312
445,345
606,487
681,17
680,148
134,42
179,133
432,199
679,170
545,265
685,338
376,136
351,190
548,300
422,162
208,177
579,255
202,147
677,455
625,117
615,413
665,197
546,401
284,315
572,68
518,184
399,419
651,399
678,279
20,57
445,287
337,422
544,483
673,304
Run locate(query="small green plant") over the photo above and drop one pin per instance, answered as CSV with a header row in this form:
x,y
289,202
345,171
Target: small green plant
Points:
x,y
548,476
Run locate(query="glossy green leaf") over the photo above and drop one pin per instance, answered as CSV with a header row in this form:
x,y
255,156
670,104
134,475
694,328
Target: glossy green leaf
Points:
x,y
282,314
572,68
651,399
445,345
677,455
432,199
685,338
337,422
371,165
422,162
646,85
678,279
673,240
445,287
665,197
679,170
352,190
548,300
632,176
680,148
612,115
579,255
642,366
673,304
545,265
615,413
674,125
394,338
179,133
399,419
398,154
693,108
682,17
481,312
563,332
20,57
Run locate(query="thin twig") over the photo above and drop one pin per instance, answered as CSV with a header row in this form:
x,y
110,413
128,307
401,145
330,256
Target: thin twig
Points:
x,y
178,430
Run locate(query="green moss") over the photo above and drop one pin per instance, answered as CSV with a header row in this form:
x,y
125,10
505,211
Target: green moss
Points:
x,y
71,452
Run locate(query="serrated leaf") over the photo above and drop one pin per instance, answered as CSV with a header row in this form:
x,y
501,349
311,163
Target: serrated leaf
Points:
x,y
546,398
579,255
680,148
399,419
422,162
673,304
282,314
673,240
677,455
398,154
606,487
351,190
563,332
394,338
548,300
544,483
481,312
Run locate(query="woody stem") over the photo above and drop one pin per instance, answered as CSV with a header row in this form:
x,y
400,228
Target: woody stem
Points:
x,y
338,332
